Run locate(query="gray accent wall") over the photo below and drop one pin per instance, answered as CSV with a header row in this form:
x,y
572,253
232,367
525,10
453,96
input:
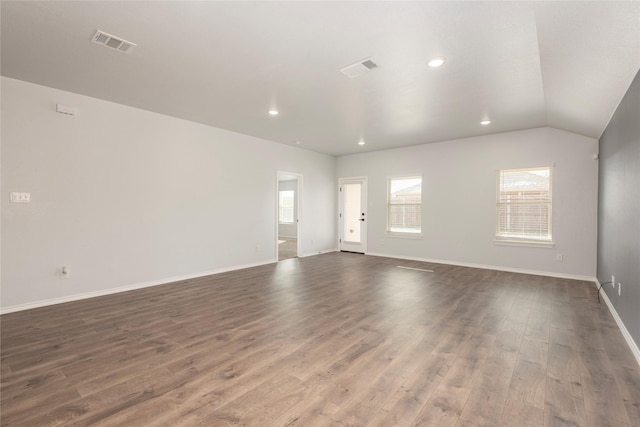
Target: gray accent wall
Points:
x,y
619,209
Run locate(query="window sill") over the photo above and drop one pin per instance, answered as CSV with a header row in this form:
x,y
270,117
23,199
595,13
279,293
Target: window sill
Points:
x,y
530,243
397,234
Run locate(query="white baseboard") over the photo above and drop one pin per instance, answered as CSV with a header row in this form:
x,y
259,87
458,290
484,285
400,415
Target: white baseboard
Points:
x,y
326,251
490,267
77,297
625,332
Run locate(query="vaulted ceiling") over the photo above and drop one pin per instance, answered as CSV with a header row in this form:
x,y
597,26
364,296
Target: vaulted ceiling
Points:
x,y
226,64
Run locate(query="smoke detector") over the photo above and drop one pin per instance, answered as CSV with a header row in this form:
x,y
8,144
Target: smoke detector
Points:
x,y
113,42
359,68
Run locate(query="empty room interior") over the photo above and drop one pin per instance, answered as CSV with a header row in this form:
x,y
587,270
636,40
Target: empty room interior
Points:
x,y
320,213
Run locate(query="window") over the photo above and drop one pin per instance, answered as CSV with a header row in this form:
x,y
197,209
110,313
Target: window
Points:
x,y
524,205
285,206
404,206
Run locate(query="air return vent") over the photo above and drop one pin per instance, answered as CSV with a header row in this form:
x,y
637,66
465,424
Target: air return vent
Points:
x,y
112,42
359,68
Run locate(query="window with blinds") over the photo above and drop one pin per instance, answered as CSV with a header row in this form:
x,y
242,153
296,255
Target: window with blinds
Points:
x,y
286,204
524,205
404,206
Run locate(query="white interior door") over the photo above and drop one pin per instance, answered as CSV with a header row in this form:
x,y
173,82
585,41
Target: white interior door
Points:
x,y
353,214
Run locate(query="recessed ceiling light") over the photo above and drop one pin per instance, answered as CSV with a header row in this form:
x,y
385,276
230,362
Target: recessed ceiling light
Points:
x,y
273,112
297,142
436,62
485,122
361,143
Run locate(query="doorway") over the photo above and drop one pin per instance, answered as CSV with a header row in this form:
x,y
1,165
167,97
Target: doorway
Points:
x,y
289,194
353,215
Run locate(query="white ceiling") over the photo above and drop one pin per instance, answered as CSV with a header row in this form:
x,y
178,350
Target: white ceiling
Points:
x,y
225,64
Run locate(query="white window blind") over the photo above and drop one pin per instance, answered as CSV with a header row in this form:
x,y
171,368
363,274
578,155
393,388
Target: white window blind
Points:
x,y
404,207
286,203
524,205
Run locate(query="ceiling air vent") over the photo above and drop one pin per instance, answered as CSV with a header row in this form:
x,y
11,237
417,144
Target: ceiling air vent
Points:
x,y
359,68
112,42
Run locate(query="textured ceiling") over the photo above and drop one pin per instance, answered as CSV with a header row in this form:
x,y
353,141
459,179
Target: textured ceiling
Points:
x,y
225,64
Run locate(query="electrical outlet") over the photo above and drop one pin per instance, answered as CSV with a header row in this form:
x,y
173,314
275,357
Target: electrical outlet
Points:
x,y
613,281
619,289
559,257
64,272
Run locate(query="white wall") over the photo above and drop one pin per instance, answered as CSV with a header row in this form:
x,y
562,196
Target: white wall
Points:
x,y
126,197
459,195
290,230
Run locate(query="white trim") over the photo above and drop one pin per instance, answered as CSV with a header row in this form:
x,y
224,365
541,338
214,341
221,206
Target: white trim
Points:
x,y
87,295
403,235
625,333
326,251
529,243
490,267
413,268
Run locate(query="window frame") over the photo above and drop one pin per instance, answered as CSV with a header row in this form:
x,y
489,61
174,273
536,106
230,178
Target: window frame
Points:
x,y
524,240
281,207
405,234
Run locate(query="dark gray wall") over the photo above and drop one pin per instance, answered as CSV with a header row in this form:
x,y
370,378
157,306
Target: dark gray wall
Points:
x,y
619,209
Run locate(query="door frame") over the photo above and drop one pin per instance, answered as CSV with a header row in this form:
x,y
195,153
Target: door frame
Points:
x,y
365,204
298,204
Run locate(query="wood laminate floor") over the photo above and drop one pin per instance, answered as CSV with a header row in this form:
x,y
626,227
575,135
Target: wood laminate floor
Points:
x,y
331,340
287,249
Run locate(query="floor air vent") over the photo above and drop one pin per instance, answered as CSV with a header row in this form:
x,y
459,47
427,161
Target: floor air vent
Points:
x,y
112,42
